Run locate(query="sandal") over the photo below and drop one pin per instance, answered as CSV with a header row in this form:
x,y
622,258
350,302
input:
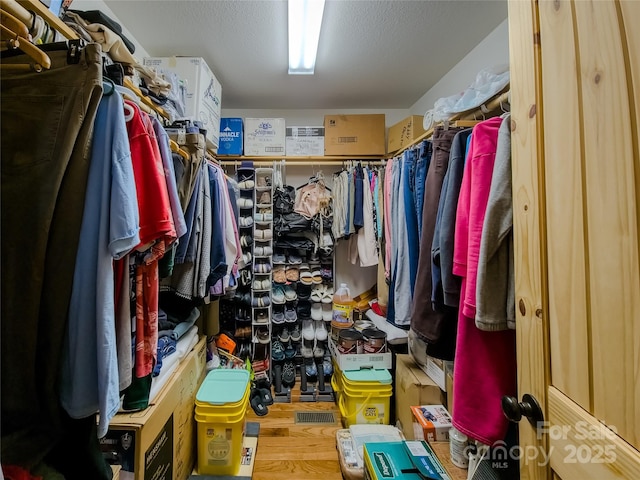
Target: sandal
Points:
x,y
258,406
306,278
327,295
292,274
316,277
279,275
265,395
317,292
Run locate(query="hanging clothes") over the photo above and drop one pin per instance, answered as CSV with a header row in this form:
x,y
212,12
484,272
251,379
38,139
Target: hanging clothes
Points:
x,y
485,362
45,142
109,231
437,329
495,289
445,285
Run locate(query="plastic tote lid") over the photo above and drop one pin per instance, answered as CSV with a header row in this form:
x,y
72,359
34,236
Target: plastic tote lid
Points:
x,y
368,375
223,386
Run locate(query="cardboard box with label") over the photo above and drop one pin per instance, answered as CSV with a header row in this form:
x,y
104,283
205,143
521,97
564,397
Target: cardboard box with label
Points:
x,y
304,141
264,137
204,92
231,136
159,442
412,387
435,368
408,460
354,134
404,133
431,423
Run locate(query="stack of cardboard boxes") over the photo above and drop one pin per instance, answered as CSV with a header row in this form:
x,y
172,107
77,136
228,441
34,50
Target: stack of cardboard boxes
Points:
x,y
268,137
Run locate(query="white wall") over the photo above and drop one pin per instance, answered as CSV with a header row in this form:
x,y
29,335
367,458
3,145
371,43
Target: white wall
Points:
x,y
492,51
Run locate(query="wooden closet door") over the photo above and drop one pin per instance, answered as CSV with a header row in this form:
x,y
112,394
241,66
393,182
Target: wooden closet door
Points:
x,y
575,68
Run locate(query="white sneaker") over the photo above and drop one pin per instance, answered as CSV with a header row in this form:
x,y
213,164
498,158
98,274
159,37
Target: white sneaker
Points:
x,y
308,330
321,330
316,311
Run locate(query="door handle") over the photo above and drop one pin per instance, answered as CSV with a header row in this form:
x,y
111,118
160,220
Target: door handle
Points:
x,y
529,407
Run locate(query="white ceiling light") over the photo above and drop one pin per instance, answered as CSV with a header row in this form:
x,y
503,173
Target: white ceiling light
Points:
x,y
305,19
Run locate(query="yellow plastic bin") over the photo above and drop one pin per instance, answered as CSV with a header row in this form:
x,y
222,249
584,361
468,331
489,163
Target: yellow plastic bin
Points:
x,y
365,397
221,404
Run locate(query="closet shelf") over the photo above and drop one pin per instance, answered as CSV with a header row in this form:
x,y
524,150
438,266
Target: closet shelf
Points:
x,y
463,119
47,15
299,161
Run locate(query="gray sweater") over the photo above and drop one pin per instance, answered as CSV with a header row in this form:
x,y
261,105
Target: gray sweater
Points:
x,y
495,288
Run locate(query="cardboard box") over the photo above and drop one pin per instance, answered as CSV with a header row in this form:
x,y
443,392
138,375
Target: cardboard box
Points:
x,y
304,141
436,368
231,136
354,134
159,442
408,460
358,361
264,137
431,423
204,92
412,387
404,133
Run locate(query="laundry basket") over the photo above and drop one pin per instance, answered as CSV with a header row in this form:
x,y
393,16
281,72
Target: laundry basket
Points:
x,y
221,404
365,397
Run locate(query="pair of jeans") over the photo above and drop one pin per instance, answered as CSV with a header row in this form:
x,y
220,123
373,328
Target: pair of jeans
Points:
x,y
47,125
422,165
412,241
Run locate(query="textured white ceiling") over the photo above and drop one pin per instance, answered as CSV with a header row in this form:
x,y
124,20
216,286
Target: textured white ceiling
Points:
x,y
372,54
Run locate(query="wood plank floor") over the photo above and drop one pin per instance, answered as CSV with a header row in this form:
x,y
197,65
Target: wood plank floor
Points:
x,y
287,451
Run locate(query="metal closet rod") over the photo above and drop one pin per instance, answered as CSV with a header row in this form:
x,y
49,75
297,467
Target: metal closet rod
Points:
x,y
292,162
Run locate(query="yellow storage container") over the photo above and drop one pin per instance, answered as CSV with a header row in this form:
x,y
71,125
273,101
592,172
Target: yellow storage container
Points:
x,y
365,396
221,404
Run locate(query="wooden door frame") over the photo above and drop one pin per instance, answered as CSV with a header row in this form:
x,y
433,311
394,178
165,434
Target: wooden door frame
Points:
x,y
532,342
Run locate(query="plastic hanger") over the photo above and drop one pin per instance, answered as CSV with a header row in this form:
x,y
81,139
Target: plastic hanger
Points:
x,y
176,149
17,39
108,87
128,94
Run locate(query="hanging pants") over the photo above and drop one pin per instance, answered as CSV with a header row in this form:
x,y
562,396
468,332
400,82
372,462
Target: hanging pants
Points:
x,y
47,124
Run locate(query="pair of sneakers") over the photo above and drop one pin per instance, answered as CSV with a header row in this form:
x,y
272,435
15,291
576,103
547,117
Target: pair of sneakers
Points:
x,y
263,234
244,202
314,330
262,284
262,251
246,183
261,267
261,301
245,221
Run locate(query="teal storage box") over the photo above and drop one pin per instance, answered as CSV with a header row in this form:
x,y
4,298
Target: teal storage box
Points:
x,y
231,134
408,460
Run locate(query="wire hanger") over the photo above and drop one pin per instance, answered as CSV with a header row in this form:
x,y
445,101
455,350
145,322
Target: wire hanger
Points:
x,y
13,31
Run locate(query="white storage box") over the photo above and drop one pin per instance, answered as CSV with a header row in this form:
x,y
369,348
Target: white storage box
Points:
x,y
358,361
305,141
204,92
264,137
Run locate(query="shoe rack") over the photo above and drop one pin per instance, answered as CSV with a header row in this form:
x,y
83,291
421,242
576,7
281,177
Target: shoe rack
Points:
x,y
303,280
242,299
262,270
